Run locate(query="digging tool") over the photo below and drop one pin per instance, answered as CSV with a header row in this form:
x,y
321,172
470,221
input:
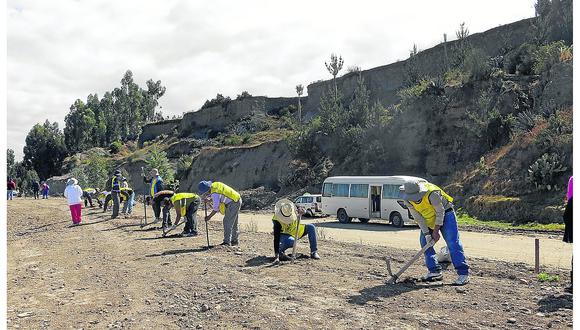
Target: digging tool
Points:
x,y
204,220
168,230
395,277
296,237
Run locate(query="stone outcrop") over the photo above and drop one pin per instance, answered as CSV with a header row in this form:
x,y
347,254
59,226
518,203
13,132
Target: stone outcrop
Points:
x,y
263,165
383,82
151,131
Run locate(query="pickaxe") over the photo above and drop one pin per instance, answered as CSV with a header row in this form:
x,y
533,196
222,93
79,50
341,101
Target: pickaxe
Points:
x,y
395,277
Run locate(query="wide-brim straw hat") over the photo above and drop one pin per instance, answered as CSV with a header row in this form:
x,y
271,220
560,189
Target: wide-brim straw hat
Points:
x,y
413,190
285,211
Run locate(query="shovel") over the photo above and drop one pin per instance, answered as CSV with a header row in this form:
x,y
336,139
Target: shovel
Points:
x,y
395,277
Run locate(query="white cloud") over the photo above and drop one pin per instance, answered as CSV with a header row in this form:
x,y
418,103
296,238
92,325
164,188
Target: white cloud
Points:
x,y
59,51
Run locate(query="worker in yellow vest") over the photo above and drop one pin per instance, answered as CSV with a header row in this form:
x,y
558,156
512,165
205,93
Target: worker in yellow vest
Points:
x,y
185,204
285,221
432,208
226,201
155,186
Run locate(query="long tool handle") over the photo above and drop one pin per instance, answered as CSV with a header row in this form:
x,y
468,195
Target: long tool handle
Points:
x,y
144,201
296,238
206,231
417,255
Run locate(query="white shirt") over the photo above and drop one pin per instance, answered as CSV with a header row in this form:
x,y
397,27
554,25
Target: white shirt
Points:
x,y
74,194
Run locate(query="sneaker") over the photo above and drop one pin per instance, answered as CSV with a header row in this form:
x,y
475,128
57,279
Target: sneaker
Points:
x,y
314,255
184,234
461,280
283,257
156,220
431,277
225,244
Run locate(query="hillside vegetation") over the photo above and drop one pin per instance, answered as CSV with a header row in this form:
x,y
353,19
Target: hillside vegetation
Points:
x,y
489,118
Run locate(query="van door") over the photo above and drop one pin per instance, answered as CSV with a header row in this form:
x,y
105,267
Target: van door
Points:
x,y
375,201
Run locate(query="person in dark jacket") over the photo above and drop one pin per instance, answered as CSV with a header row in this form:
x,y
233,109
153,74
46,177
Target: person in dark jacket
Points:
x,y
155,184
114,186
35,187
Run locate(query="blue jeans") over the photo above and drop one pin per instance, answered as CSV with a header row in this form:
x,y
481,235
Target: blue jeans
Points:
x,y
128,207
10,194
450,234
287,241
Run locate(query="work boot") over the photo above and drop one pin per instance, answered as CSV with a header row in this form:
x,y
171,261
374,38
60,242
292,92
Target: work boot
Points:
x,y
283,257
461,280
432,277
236,243
314,255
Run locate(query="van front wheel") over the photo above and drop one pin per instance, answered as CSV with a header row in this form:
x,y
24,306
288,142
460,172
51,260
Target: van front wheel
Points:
x,y
343,217
397,220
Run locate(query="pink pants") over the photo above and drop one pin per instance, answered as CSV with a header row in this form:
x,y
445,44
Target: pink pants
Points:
x,y
75,212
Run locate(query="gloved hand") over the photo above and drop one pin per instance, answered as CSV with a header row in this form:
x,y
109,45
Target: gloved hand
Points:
x,y
428,238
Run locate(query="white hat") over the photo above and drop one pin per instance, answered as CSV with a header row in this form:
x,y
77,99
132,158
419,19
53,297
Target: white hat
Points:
x,y
71,181
285,211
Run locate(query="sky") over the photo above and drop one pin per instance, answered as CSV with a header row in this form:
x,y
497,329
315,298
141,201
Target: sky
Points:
x,y
63,50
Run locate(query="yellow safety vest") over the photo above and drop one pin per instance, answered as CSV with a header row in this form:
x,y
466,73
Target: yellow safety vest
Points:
x,y
153,184
182,199
224,190
290,229
425,208
90,190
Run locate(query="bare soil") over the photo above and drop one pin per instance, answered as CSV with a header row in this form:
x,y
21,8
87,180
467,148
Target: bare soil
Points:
x,y
113,274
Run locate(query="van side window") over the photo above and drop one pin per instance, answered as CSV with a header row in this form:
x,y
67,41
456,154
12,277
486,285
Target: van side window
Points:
x,y
318,199
298,200
391,191
307,199
327,190
359,190
340,190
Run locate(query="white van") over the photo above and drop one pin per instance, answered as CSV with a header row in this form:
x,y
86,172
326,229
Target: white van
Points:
x,y
366,197
310,203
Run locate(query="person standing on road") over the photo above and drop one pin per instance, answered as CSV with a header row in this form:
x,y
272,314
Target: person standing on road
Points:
x,y
11,188
74,196
35,187
114,186
155,186
186,204
568,233
432,208
45,189
285,221
226,201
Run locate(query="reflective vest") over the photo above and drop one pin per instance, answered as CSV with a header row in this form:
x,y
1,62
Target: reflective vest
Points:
x,y
425,208
154,185
115,184
290,229
184,199
90,190
225,190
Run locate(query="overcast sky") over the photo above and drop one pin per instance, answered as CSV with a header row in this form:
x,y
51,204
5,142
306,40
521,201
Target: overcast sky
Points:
x,y
59,51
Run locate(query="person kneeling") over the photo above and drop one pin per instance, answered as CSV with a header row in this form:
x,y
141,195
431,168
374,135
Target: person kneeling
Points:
x,y
285,221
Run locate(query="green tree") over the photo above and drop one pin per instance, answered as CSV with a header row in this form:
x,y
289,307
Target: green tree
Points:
x,y
79,130
157,158
45,149
299,91
334,67
10,162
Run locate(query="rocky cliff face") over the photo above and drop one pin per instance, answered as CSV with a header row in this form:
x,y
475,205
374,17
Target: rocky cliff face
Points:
x,y
264,165
383,82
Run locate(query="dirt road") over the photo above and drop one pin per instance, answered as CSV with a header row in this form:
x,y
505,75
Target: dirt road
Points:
x,y
113,274
513,248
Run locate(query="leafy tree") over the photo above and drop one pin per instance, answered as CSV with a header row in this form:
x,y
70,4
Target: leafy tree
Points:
x,y
10,162
299,91
158,159
244,95
218,100
45,149
334,67
412,74
79,130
